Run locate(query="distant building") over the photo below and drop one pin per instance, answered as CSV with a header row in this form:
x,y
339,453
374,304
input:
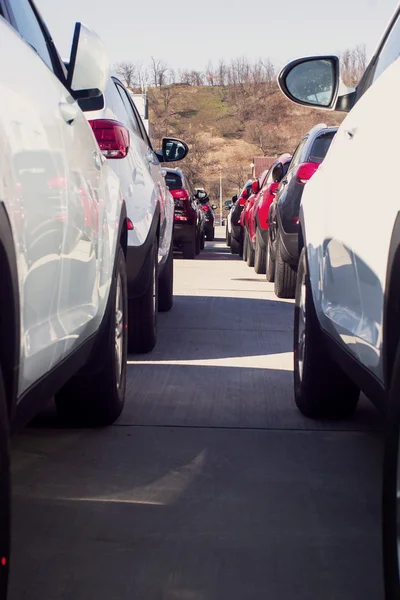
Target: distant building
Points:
x,y
142,104
261,163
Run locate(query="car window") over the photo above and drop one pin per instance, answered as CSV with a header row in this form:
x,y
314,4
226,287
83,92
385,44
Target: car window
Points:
x,y
141,125
132,121
321,146
29,28
390,51
173,181
297,154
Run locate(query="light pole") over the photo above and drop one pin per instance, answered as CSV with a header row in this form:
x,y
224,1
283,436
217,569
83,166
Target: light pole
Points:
x,y
220,196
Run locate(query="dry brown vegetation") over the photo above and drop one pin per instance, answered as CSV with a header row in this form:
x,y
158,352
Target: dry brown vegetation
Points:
x,y
228,114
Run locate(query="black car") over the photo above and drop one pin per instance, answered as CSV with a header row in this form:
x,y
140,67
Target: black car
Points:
x,y
236,228
208,210
283,242
189,220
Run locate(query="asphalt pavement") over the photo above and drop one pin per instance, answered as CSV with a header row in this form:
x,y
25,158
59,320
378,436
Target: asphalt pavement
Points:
x,y
211,486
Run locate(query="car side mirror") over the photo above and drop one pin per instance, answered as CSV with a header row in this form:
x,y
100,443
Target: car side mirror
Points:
x,y
88,66
312,81
234,199
277,172
172,150
245,194
255,187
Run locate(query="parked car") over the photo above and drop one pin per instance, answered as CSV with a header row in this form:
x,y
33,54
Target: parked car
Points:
x,y
246,221
283,247
237,229
228,229
123,140
189,218
258,218
208,210
346,327
63,241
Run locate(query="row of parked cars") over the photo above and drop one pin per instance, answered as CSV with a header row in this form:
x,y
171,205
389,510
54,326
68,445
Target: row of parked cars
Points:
x,y
86,232
318,244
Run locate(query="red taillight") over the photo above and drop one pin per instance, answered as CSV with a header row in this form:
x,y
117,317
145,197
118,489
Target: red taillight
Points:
x,y
180,194
180,217
305,171
112,137
129,225
242,201
205,208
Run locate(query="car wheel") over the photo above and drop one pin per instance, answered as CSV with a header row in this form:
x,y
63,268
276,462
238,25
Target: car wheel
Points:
x,y
321,388
198,244
5,493
270,261
245,246
250,253
189,249
202,239
166,284
228,237
285,275
142,328
96,395
260,265
391,488
235,246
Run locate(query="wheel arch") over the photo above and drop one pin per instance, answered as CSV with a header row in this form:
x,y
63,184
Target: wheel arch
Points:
x,y
10,320
391,305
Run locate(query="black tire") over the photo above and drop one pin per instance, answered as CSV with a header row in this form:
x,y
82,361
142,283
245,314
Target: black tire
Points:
x,y
166,284
270,261
250,253
189,249
260,264
390,488
5,493
245,246
210,235
228,237
142,328
321,388
198,244
285,275
202,241
96,395
235,246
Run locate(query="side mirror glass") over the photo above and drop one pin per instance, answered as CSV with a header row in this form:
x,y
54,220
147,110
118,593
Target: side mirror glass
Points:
x,y
173,150
311,81
88,67
277,172
201,194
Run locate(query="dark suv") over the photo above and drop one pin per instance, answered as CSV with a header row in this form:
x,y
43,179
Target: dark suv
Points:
x,y
188,218
283,242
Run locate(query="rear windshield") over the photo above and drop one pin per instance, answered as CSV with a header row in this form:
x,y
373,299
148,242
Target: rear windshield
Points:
x,y
173,181
321,146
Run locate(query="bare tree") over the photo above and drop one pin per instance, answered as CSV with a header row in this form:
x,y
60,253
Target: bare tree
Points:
x,y
127,70
159,69
353,63
209,74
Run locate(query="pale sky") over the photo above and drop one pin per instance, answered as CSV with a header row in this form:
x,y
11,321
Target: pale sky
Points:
x,y
186,34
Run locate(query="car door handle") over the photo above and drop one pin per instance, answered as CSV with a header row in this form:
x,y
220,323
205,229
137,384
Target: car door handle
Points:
x,y
68,111
350,133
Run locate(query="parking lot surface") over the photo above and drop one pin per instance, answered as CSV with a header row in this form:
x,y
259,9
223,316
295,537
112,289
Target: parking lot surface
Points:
x,y
211,486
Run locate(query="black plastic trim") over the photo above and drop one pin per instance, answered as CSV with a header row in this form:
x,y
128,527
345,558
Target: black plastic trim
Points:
x,y
138,261
391,306
74,52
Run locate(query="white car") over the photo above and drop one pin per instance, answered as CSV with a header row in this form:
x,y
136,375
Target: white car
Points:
x,y
123,139
347,311
63,241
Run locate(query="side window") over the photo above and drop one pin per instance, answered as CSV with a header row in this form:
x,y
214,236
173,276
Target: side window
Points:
x,y
297,155
132,121
27,25
390,51
142,127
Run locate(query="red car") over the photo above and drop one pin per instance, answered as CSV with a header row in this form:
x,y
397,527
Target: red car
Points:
x,y
258,215
246,219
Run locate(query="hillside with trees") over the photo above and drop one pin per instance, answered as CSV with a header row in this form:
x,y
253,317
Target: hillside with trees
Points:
x,y
228,114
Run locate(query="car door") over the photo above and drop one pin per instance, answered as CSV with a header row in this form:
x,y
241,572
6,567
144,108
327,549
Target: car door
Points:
x,y
32,126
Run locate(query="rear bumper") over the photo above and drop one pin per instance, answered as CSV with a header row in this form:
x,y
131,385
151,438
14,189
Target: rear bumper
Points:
x,y
138,262
289,247
183,232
